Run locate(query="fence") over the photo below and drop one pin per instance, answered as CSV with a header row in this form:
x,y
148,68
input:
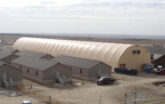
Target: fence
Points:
x,y
42,98
144,97
30,91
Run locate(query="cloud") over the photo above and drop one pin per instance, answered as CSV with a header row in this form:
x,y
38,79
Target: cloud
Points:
x,y
122,4
91,11
24,3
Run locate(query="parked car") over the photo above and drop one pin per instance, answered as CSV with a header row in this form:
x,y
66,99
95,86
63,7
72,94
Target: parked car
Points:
x,y
26,102
162,71
105,81
159,70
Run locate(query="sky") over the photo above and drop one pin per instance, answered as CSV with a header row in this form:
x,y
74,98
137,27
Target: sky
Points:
x,y
140,17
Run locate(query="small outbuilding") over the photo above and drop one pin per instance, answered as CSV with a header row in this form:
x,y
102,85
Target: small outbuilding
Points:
x,y
42,71
85,68
9,76
159,60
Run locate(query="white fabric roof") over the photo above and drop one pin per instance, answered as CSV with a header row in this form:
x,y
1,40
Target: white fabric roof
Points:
x,y
108,53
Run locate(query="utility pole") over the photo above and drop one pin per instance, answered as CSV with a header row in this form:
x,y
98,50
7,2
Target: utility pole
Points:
x,y
31,86
50,100
135,95
125,99
135,98
100,99
123,78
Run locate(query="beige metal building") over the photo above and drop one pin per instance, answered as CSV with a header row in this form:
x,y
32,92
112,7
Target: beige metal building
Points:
x,y
84,68
115,55
9,76
41,70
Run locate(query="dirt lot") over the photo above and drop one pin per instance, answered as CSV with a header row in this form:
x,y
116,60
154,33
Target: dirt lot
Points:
x,y
16,100
90,93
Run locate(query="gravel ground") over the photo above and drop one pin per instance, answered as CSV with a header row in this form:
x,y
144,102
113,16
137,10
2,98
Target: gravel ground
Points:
x,y
90,93
16,100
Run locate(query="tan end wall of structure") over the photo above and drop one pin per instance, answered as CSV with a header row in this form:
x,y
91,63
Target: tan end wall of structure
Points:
x,y
135,61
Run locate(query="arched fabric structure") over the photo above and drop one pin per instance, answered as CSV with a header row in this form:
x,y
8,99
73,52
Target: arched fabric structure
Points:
x,y
109,53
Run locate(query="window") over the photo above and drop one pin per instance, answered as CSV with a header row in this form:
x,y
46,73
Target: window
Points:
x,y
36,73
122,66
80,70
138,51
134,52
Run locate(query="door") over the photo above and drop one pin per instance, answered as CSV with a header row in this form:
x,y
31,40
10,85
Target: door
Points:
x,y
122,66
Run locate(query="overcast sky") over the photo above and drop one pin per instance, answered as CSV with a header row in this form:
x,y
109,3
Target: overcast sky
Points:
x,y
143,17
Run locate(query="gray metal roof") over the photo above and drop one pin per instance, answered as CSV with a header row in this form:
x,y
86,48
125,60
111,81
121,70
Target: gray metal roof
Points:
x,y
9,58
156,56
36,63
4,54
30,54
77,62
2,63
